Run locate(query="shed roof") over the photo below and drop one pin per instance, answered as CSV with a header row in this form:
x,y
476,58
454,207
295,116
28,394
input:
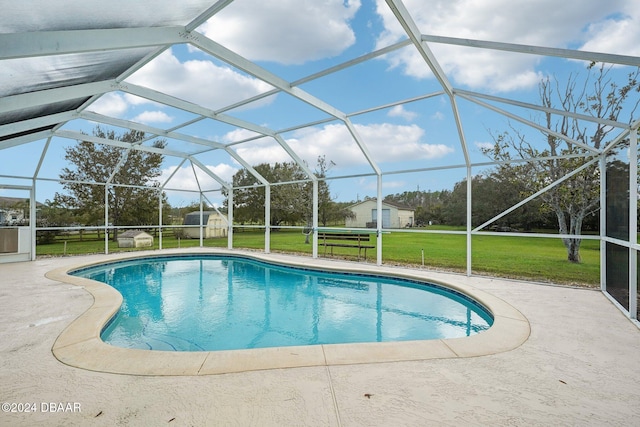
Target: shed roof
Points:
x,y
130,234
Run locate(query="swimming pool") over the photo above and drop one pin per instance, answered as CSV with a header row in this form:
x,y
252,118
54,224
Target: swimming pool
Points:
x,y
80,344
222,302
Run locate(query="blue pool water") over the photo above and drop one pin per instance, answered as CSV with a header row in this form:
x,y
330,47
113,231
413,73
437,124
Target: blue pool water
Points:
x,y
220,302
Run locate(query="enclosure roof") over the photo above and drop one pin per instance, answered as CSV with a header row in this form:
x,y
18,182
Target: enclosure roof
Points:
x,y
59,66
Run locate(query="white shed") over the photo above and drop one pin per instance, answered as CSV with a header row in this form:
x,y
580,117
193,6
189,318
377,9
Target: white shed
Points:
x,y
393,215
135,239
215,224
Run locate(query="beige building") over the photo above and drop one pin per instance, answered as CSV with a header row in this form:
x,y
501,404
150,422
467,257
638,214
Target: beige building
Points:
x,y
135,239
393,215
215,224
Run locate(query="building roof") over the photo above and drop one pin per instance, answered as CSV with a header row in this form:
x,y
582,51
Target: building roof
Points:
x,y
193,218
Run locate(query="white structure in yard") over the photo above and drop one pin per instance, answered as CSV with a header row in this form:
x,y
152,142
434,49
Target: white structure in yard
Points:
x,y
215,224
393,215
135,239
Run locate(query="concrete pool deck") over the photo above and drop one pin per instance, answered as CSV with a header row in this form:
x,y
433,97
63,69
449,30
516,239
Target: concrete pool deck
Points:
x,y
579,366
80,345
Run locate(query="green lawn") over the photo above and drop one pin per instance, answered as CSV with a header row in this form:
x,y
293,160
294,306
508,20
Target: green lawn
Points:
x,y
541,259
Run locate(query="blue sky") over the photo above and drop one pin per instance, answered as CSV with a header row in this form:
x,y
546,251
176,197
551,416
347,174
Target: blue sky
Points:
x,y
296,38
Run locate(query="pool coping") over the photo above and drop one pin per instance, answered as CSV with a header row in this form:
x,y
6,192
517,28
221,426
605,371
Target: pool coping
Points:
x,y
79,345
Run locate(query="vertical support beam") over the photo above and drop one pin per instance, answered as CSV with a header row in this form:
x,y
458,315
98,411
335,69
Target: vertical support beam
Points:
x,y
633,224
379,221
379,312
32,219
201,221
314,225
603,222
159,219
106,219
267,219
230,219
469,225
32,205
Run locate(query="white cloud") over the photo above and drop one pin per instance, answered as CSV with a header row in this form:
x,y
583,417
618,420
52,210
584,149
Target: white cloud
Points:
x,y
199,81
438,115
222,170
615,35
153,117
237,135
183,179
264,150
262,30
392,143
136,100
386,142
538,22
484,145
110,104
399,111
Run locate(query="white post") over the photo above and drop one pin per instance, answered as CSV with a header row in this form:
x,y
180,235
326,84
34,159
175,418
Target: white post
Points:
x,y
379,221
469,225
230,219
201,222
106,219
159,219
32,219
603,222
314,226
633,224
267,219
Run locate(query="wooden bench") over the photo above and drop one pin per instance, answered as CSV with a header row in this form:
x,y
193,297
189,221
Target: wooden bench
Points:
x,y
330,239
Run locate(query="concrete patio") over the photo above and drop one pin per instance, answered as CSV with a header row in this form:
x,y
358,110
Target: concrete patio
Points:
x,y
579,366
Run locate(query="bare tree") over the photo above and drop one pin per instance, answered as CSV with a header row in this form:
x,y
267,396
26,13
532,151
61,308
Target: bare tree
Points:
x,y
598,96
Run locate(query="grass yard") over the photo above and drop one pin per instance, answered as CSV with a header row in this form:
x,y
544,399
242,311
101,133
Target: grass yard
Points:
x,y
533,258
540,259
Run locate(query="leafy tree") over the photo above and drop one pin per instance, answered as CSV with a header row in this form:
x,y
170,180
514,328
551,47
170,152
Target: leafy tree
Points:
x,y
291,203
455,204
428,205
577,197
129,170
492,194
286,199
51,215
498,192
